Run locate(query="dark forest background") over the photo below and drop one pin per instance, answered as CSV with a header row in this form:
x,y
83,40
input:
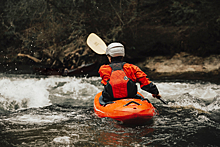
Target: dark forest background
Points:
x,y
54,32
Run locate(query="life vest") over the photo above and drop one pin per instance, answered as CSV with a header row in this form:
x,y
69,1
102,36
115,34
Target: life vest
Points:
x,y
119,85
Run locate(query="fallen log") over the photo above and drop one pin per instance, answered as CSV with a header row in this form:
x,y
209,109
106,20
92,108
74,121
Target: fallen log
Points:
x,y
30,57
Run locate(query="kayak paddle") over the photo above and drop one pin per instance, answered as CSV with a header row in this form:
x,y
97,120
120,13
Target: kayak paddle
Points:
x,y
99,46
161,100
96,44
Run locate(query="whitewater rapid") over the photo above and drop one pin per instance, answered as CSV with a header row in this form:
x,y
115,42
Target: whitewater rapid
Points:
x,y
27,91
58,111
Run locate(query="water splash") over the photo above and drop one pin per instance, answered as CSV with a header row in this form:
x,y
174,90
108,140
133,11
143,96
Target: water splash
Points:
x,y
201,96
22,92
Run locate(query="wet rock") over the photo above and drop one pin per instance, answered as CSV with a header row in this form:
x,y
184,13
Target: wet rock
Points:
x,y
183,65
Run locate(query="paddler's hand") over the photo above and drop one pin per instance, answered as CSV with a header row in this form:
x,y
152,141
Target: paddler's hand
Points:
x,y
158,96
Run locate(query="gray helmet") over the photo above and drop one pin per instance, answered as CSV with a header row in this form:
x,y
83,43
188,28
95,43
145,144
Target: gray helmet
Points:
x,y
115,49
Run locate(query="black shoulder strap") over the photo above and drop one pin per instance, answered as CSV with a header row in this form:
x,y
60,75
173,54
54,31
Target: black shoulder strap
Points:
x,y
117,66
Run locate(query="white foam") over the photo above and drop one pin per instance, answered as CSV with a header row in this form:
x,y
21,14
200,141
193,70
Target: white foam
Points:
x,y
40,92
77,88
202,91
188,94
62,140
31,91
37,119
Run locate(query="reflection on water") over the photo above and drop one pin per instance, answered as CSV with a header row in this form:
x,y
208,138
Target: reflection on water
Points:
x,y
58,111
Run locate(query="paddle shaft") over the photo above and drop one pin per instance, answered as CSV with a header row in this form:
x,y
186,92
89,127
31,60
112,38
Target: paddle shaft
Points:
x,y
158,97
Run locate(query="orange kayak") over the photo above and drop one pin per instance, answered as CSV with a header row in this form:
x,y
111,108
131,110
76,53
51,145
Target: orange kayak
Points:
x,y
129,110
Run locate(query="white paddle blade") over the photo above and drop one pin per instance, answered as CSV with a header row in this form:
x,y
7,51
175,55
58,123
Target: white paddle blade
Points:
x,y
96,44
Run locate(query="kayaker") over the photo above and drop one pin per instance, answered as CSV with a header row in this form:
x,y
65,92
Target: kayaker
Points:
x,y
120,78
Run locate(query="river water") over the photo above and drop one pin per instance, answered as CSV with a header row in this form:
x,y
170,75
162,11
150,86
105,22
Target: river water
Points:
x,y
58,111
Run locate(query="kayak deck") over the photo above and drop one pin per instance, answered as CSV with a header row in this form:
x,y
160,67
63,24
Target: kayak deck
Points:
x,y
129,110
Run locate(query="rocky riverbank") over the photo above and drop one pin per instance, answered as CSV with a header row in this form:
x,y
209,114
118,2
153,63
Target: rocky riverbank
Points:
x,y
183,66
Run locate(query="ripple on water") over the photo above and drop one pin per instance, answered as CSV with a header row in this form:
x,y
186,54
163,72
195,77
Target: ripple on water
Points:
x,y
190,119
37,119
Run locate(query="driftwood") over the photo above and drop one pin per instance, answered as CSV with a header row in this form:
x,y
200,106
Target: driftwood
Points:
x,y
58,58
30,57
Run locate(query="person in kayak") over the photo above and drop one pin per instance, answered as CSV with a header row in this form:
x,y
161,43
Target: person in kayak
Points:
x,y
120,78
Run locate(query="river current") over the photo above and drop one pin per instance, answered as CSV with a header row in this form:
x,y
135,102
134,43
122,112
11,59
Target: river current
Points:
x,y
58,111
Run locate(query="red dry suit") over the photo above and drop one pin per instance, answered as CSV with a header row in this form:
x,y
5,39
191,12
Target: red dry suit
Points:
x,y
134,74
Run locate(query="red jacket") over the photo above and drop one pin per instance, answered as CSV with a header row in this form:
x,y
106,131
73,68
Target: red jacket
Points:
x,y
133,72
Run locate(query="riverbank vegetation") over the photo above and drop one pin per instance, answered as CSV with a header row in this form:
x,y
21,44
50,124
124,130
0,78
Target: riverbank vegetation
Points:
x,y
54,32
